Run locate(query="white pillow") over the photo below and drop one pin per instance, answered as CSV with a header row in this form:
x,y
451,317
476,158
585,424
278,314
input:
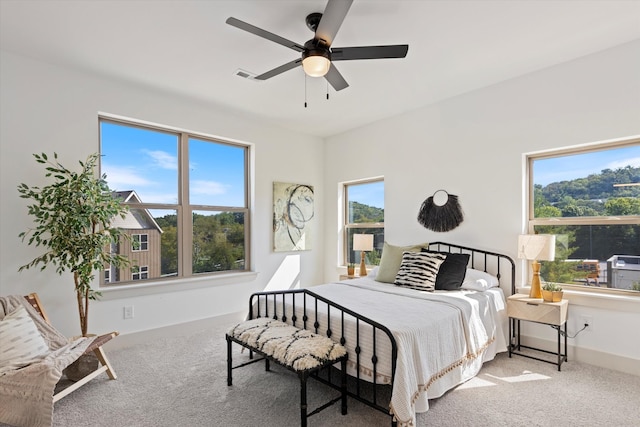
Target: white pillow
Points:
x,y
477,280
20,341
374,272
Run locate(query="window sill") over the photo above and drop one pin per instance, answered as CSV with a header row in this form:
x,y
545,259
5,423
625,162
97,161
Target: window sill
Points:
x,y
163,286
600,300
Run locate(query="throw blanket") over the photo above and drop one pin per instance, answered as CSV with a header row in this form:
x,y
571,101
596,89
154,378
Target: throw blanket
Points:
x,y
440,339
27,394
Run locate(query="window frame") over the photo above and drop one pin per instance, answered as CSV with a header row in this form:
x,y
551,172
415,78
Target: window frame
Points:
x,y
346,225
140,271
532,222
183,210
141,246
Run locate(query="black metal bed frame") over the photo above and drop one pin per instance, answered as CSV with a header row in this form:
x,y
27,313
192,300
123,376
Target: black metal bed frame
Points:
x,y
266,304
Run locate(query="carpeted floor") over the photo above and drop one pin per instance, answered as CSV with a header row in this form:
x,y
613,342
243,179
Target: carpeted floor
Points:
x,y
182,382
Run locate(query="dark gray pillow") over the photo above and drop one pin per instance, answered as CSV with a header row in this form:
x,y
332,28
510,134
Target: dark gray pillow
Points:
x,y
452,271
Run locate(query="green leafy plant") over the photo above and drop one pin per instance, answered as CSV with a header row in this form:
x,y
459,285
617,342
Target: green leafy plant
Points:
x,y
553,287
351,265
73,218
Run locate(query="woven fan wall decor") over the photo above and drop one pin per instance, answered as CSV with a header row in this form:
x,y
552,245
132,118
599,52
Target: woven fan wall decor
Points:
x,y
441,217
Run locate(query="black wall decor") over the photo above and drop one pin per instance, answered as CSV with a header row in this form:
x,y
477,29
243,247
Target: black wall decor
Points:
x,y
441,217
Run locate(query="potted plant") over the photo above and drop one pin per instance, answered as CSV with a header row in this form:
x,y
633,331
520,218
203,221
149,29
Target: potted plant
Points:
x,y
73,217
351,269
551,292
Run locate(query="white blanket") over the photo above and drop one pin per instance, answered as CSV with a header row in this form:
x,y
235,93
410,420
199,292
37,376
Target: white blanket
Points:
x,y
442,338
26,394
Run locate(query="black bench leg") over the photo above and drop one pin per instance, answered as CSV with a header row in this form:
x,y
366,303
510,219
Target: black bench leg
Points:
x,y
303,400
343,385
229,367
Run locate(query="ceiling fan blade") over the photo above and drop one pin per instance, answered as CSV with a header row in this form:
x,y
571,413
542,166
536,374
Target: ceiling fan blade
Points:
x,y
279,70
264,34
369,52
332,19
335,79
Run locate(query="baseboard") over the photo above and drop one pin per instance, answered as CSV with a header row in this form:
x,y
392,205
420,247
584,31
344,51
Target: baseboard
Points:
x,y
142,337
616,362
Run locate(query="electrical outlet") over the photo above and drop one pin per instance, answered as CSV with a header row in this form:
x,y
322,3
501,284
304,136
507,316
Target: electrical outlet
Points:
x,y
585,320
128,312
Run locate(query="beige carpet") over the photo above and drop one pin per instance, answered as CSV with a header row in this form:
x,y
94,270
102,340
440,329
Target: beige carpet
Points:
x,y
182,382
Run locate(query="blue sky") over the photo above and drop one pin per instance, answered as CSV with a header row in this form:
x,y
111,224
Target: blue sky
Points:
x,y
371,194
147,161
566,168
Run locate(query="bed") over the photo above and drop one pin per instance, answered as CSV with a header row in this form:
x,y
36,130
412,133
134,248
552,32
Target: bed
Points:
x,y
406,345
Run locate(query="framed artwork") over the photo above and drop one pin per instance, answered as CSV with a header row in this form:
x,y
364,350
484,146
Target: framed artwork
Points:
x,y
293,214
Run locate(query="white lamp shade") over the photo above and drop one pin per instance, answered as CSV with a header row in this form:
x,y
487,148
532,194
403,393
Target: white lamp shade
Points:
x,y
540,247
363,242
316,66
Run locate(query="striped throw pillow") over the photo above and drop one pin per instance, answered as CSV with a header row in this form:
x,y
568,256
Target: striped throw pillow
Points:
x,y
418,270
20,341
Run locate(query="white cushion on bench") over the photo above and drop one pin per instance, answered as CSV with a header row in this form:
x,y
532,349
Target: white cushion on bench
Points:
x,y
297,348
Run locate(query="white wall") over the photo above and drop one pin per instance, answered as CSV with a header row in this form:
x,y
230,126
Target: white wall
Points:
x,y
46,108
473,146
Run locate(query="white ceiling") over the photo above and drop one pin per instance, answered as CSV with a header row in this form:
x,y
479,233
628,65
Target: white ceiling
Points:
x,y
184,47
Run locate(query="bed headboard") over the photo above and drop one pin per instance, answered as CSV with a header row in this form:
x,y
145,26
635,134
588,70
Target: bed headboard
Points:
x,y
490,262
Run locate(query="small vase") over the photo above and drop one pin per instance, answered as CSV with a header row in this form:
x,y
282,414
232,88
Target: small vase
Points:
x,y
351,271
552,296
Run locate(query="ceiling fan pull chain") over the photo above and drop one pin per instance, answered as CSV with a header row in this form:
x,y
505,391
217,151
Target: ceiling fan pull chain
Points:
x,y
327,90
305,91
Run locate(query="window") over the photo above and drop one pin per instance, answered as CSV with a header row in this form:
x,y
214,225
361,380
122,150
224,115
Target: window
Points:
x,y
140,273
188,200
364,214
590,199
139,242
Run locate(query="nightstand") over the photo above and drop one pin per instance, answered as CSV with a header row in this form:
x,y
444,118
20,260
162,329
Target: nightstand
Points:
x,y
347,277
521,307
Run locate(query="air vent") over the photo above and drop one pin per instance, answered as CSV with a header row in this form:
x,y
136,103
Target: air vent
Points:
x,y
245,74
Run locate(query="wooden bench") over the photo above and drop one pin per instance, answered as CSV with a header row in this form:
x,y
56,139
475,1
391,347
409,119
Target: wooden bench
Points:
x,y
298,350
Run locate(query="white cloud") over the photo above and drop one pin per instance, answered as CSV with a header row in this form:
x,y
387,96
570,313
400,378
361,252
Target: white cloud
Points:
x,y
633,162
209,188
122,178
162,159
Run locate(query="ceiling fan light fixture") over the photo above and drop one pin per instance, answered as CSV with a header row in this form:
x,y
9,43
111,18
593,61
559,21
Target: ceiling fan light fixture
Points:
x,y
316,62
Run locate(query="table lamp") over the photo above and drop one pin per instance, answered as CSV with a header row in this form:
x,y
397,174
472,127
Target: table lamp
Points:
x,y
536,247
362,243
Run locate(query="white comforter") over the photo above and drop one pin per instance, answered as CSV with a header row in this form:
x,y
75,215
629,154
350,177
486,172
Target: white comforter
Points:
x,y
442,337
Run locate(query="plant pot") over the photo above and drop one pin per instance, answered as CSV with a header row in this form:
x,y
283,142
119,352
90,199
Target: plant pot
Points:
x,y
351,271
552,296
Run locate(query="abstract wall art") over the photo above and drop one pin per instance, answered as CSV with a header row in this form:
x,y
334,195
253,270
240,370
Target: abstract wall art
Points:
x,y
293,214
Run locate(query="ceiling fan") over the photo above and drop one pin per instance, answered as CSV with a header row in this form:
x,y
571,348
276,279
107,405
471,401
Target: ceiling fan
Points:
x,y
317,54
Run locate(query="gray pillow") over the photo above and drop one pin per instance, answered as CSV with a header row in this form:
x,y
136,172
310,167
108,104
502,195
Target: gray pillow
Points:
x,y
392,258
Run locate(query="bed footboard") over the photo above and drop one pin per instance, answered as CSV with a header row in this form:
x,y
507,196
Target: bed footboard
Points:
x,y
305,309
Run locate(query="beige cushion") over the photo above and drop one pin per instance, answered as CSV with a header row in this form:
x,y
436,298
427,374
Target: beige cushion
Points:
x,y
392,258
20,342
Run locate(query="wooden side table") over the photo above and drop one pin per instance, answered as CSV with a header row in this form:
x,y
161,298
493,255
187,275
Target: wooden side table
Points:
x,y
521,307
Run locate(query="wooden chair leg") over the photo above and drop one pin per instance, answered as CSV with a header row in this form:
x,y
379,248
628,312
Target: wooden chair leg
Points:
x,y
102,357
